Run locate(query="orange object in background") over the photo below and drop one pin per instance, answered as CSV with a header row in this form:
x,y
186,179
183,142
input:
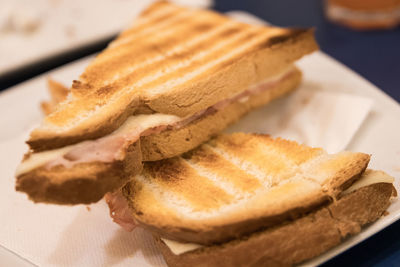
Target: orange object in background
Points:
x,y
364,14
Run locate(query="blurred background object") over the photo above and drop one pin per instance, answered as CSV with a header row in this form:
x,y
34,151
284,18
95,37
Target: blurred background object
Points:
x,y
364,14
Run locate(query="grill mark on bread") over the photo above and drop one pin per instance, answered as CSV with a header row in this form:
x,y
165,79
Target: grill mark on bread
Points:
x,y
117,67
219,182
170,175
208,159
294,152
246,166
265,158
143,190
173,55
177,20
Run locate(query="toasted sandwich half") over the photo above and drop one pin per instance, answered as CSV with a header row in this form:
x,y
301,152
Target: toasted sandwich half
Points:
x,y
251,200
171,81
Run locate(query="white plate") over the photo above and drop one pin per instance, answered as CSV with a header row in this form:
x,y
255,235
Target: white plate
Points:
x,y
378,136
62,25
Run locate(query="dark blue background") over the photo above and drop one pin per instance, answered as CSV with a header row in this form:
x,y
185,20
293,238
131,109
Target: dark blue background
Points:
x,y
376,56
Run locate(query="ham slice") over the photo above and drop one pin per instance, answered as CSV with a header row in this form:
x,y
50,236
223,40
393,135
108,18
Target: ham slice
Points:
x,y
119,210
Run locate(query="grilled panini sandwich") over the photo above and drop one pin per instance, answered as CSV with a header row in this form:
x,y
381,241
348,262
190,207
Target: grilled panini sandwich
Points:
x,y
164,86
251,200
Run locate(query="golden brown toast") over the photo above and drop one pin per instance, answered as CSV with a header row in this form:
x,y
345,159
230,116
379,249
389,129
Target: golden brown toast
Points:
x,y
293,241
237,184
173,60
88,182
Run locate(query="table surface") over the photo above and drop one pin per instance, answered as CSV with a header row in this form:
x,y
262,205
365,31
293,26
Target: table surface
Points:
x,y
374,55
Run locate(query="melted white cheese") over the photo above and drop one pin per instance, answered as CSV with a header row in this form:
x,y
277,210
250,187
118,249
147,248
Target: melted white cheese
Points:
x,y
178,248
369,177
38,159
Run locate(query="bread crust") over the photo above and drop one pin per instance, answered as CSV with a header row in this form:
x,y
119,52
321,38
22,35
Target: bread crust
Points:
x,y
171,143
84,183
295,241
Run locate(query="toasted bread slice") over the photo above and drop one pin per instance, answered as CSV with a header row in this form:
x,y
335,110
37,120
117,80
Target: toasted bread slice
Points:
x,y
173,60
85,183
237,184
88,182
292,242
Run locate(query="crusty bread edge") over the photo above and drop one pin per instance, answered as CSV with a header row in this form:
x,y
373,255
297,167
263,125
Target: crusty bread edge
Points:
x,y
83,183
296,241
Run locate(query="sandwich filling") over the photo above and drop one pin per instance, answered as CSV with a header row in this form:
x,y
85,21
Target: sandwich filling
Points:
x,y
111,147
